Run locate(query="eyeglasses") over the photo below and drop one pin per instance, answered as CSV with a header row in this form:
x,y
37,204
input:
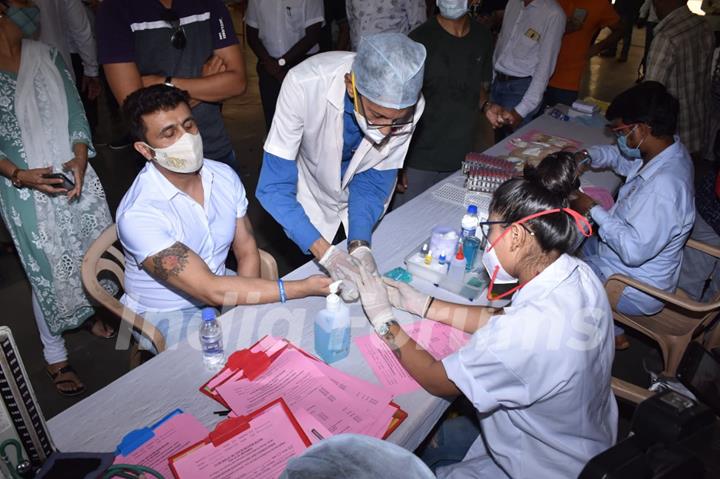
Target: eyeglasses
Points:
x,y
177,38
484,227
620,130
397,125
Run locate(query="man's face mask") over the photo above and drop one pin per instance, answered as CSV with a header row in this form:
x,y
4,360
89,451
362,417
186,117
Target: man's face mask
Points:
x,y
625,149
27,19
183,156
452,9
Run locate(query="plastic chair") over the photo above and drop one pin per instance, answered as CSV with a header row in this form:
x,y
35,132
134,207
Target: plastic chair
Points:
x,y
681,320
103,258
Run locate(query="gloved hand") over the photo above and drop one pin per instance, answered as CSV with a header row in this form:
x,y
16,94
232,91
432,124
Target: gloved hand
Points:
x,y
405,297
364,255
373,296
340,265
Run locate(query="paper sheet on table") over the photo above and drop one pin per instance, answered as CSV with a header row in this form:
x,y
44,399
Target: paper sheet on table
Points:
x,y
174,435
438,339
297,379
261,451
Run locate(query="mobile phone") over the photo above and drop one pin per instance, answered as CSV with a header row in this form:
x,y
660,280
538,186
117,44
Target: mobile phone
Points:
x,y
699,371
67,183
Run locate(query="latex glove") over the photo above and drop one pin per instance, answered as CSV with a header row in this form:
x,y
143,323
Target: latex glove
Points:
x,y
374,297
405,297
364,255
340,265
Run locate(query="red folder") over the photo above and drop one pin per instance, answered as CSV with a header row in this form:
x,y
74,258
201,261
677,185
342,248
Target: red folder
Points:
x,y
252,362
232,427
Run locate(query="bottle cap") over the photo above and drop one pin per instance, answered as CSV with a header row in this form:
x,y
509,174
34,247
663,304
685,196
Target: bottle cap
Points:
x,y
472,209
208,314
460,254
332,301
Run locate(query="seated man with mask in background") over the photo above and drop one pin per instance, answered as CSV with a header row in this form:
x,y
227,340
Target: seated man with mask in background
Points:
x,y
643,234
179,219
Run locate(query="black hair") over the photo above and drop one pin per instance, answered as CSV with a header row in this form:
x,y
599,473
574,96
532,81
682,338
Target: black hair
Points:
x,y
545,187
650,103
149,100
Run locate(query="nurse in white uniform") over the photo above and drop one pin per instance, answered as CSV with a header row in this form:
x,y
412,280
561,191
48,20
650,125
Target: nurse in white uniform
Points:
x,y
341,130
537,372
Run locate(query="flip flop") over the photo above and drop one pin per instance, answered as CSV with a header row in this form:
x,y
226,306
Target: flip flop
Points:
x,y
63,392
90,324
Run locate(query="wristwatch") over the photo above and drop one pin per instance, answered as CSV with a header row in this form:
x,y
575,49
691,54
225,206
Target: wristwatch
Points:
x,y
168,82
282,62
384,328
352,245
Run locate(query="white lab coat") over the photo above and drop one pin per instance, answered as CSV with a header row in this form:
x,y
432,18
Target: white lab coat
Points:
x,y
308,128
539,377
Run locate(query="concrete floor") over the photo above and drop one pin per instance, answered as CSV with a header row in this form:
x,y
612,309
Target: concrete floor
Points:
x,y
98,362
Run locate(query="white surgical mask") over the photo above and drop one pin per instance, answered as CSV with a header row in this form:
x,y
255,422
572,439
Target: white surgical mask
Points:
x,y
491,263
373,134
183,156
452,9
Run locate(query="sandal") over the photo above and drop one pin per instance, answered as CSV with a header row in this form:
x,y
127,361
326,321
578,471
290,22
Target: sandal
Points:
x,y
91,324
67,369
621,342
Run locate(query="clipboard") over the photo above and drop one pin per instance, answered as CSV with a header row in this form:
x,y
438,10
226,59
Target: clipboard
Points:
x,y
137,438
252,362
231,428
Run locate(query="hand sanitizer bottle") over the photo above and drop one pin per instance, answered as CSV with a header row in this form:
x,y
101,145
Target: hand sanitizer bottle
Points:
x,y
332,328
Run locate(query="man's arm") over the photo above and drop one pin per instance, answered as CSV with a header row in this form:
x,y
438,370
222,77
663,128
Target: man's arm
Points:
x,y
245,249
616,33
369,191
608,156
181,269
300,49
123,78
80,31
216,87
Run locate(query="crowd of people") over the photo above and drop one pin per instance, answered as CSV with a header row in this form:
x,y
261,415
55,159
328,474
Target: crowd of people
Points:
x,y
367,104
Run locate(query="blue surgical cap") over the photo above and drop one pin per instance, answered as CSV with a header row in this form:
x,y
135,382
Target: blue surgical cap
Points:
x,y
389,69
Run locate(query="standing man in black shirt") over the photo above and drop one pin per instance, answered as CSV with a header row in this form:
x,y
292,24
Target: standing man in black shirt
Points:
x,y
458,71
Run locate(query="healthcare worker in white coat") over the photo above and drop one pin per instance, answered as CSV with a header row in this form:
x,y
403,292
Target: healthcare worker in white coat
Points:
x,y
538,372
341,130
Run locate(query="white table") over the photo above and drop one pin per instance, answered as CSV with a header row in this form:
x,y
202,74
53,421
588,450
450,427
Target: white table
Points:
x,y
171,380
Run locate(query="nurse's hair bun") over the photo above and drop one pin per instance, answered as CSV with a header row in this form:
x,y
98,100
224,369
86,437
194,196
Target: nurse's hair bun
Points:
x,y
557,173
545,187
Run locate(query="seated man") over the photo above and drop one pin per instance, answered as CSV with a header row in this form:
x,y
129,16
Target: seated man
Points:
x,y
643,234
179,219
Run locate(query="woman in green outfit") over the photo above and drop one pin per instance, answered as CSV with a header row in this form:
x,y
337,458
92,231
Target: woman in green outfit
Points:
x,y
43,130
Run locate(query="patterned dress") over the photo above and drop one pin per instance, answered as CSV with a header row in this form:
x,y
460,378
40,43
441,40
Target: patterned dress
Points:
x,y
56,284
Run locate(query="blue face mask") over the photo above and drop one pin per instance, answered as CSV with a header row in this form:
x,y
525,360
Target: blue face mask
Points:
x,y
452,9
625,150
27,19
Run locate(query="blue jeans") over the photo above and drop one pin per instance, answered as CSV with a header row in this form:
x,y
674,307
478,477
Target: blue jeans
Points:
x,y
624,306
451,442
508,94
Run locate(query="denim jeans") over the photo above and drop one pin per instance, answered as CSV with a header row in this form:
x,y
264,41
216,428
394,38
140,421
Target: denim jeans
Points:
x,y
508,94
451,442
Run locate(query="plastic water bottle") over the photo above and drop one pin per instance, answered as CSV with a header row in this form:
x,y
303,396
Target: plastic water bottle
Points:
x,y
470,222
211,340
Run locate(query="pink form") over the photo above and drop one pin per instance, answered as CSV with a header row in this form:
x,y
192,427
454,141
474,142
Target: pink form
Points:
x,y
306,389
262,451
438,339
174,435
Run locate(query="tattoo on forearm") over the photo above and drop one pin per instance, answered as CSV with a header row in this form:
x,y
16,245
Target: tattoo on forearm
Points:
x,y
171,261
390,341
